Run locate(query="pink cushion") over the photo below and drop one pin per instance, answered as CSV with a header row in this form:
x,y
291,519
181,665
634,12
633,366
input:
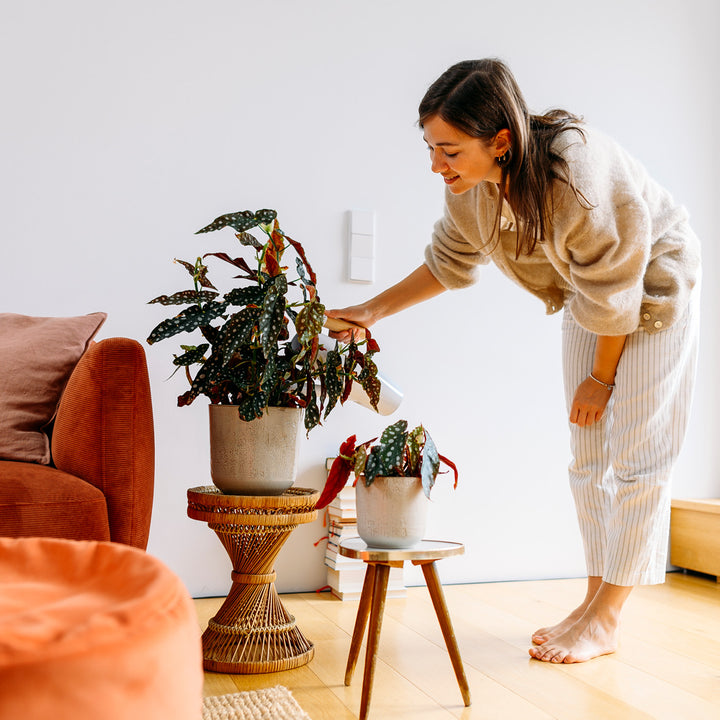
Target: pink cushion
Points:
x,y
93,630
37,356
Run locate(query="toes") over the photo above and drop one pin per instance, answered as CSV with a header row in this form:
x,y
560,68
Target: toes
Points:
x,y
542,652
549,653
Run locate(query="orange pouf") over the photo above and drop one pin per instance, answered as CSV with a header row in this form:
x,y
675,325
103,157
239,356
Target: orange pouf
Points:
x,y
93,630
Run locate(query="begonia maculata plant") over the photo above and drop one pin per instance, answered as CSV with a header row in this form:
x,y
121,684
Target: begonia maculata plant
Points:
x,y
261,346
398,453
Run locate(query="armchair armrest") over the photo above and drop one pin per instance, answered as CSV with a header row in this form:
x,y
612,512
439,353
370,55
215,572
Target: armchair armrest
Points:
x,y
103,434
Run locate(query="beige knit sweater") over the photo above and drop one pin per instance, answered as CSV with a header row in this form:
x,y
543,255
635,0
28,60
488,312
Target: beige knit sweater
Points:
x,y
629,262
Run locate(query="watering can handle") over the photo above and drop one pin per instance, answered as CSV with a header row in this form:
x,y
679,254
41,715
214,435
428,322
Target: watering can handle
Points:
x,y
338,325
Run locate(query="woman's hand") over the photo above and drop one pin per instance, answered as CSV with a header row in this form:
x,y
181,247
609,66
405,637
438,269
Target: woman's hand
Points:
x,y
589,402
355,314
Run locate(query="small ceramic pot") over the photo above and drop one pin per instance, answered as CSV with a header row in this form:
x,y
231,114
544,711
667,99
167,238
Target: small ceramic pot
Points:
x,y
391,512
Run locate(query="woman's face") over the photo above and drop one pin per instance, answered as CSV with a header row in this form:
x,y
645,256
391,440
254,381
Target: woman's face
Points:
x,y
461,159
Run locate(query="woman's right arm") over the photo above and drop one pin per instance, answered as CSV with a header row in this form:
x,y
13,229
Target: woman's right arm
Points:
x,y
418,286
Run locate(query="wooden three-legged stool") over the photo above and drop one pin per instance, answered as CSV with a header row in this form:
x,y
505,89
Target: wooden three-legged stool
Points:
x,y
372,604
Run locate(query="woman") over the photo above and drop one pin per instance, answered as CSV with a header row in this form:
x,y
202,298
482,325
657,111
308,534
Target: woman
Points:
x,y
570,217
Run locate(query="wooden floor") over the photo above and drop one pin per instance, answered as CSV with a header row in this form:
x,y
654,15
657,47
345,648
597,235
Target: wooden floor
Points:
x,y
667,666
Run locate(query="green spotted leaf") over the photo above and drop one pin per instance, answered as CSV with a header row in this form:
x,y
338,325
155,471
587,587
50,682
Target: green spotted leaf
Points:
x,y
300,266
386,457
369,381
360,460
192,355
188,266
414,450
334,379
312,412
187,321
271,320
198,271
392,443
270,375
252,407
373,466
252,295
430,465
203,381
238,331
240,221
266,216
309,322
250,240
185,297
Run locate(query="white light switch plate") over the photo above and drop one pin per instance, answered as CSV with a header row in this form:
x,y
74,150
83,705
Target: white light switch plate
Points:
x,y
361,245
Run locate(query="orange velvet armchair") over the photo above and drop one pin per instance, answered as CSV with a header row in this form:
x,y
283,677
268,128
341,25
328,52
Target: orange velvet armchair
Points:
x,y
99,485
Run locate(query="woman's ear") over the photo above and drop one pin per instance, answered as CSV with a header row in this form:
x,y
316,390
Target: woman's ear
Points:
x,y
502,142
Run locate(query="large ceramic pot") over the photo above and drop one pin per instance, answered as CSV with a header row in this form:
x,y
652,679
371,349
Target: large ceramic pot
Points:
x,y
259,457
391,512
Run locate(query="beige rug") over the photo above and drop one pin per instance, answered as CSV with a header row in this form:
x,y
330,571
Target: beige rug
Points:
x,y
276,703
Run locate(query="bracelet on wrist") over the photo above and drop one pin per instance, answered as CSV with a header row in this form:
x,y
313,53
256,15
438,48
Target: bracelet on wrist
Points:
x,y
607,386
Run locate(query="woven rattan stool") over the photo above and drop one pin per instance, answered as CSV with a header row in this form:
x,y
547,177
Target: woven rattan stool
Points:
x,y
252,632
372,605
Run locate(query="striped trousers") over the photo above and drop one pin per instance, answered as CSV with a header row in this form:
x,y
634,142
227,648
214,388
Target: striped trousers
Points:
x,y
621,467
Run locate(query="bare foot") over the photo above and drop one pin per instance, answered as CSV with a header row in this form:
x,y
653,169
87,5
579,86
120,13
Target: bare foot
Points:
x,y
588,638
543,635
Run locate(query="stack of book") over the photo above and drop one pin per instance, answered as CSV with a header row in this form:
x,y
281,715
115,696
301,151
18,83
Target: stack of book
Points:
x,y
345,575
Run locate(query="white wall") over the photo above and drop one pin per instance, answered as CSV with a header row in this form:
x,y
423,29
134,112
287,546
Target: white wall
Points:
x,y
128,125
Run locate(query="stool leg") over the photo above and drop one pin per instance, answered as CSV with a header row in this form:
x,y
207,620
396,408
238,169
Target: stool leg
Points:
x,y
382,573
360,621
438,600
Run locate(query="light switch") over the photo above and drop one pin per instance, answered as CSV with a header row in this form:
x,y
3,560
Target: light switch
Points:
x,y
361,262
362,269
362,222
362,246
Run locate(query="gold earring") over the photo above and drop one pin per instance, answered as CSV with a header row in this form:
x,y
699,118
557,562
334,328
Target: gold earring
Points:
x,y
503,160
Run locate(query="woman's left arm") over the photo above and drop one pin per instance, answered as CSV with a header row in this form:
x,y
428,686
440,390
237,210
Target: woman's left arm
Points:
x,y
593,393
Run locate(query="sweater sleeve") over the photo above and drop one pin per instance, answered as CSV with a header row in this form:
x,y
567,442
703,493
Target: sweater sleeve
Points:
x,y
451,257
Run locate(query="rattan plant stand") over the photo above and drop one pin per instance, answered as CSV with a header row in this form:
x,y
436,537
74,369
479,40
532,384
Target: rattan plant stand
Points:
x,y
252,631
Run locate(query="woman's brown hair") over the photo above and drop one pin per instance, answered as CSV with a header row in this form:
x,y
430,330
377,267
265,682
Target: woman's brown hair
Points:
x,y
481,97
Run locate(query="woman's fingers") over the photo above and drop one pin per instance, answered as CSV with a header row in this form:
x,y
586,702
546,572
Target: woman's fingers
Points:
x,y
344,328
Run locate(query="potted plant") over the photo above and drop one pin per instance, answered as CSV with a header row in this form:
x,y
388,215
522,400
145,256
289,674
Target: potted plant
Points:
x,y
259,358
396,475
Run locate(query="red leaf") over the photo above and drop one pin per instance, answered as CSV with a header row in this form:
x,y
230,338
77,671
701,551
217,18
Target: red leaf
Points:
x,y
346,390
186,398
277,240
314,347
237,262
372,346
338,475
271,261
301,252
451,465
348,447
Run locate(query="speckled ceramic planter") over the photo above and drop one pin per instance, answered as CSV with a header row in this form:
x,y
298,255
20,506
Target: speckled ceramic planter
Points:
x,y
391,512
259,457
